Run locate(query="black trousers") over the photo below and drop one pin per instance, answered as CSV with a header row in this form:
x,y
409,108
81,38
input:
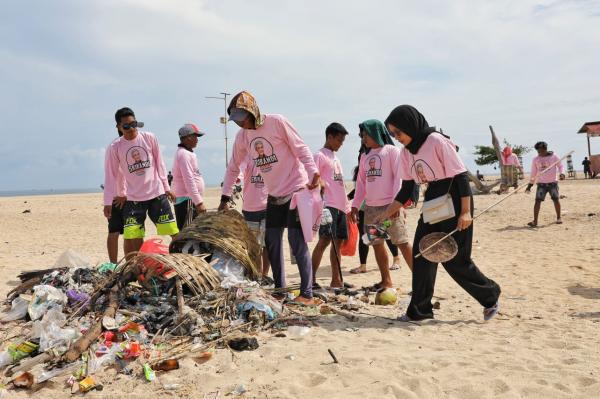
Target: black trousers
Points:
x,y
461,268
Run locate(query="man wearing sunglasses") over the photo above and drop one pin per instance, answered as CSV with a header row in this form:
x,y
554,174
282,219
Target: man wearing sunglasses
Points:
x,y
136,156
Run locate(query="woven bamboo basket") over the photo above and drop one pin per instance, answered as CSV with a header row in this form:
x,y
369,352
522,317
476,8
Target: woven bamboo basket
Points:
x,y
227,231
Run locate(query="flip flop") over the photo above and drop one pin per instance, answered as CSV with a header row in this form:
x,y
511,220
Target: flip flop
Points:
x,y
489,313
531,224
395,266
357,270
559,221
404,317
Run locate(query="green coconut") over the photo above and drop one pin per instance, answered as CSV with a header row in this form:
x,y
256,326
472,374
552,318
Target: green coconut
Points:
x,y
386,296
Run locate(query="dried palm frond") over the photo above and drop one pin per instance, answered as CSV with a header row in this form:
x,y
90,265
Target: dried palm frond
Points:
x,y
194,271
226,231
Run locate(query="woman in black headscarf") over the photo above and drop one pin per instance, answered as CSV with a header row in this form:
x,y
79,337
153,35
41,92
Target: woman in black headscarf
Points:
x,y
430,157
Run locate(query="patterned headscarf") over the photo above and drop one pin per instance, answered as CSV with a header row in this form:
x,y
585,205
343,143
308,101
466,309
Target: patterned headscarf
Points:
x,y
246,101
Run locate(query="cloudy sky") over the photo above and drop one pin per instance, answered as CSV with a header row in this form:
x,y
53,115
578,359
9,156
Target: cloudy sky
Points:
x,y
529,68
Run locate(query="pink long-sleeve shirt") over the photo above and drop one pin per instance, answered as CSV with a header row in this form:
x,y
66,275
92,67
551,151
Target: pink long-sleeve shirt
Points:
x,y
120,189
187,179
512,160
378,179
141,164
330,169
437,159
285,162
540,163
254,190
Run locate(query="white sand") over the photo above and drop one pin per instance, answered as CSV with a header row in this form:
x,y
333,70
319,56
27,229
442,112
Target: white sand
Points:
x,y
545,343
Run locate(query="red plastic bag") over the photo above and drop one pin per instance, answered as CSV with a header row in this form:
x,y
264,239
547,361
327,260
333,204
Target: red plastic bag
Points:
x,y
349,246
154,246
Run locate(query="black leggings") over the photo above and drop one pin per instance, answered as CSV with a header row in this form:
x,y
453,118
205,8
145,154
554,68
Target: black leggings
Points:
x,y
363,250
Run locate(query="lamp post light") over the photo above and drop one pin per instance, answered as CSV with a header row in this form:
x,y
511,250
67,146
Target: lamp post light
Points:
x,y
223,120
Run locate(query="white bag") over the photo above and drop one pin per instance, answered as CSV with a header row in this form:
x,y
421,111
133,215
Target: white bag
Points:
x,y
438,209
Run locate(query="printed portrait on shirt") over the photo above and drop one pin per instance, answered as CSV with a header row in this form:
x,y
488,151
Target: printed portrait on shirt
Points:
x,y
422,172
262,154
256,178
337,173
373,167
137,160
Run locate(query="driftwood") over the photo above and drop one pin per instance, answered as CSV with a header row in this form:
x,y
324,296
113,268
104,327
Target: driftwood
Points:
x,y
84,342
28,363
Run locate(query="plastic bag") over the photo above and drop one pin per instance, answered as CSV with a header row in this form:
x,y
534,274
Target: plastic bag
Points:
x,y
17,311
71,258
229,269
154,246
50,332
348,247
45,297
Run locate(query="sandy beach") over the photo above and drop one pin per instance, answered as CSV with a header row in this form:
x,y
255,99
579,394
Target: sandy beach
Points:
x,y
543,344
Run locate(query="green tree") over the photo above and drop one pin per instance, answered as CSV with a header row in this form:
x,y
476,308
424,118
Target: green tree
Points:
x,y
486,155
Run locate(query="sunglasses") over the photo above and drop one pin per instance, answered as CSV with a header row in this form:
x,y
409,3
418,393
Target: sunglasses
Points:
x,y
132,125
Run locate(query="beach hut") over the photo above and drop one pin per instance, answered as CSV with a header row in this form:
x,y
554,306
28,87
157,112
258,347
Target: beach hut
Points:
x,y
592,129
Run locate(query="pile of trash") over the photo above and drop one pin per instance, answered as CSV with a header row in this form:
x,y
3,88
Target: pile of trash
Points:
x,y
140,316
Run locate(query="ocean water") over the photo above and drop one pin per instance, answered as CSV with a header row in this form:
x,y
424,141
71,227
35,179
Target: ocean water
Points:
x,y
19,193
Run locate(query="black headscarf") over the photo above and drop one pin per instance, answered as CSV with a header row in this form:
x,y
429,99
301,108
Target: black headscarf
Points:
x,y
408,119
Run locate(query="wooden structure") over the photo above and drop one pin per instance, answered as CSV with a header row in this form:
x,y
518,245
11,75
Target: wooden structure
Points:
x,y
592,129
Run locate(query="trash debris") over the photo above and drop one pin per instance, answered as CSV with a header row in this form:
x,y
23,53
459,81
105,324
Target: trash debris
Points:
x,y
239,390
243,344
44,298
298,331
146,313
106,267
149,373
26,211
24,380
17,311
166,365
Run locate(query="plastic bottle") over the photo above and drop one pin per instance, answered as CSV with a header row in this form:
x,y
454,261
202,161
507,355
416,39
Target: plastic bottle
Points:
x,y
298,331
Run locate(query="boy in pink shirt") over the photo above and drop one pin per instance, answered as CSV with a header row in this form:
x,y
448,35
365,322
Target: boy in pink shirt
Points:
x,y
546,181
377,183
188,184
430,157
136,156
286,166
334,196
115,221
254,207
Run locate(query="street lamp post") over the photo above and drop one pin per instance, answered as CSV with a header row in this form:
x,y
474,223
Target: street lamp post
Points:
x,y
223,120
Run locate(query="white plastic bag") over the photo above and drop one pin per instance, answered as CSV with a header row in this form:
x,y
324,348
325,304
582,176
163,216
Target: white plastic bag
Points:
x,y
45,297
17,311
